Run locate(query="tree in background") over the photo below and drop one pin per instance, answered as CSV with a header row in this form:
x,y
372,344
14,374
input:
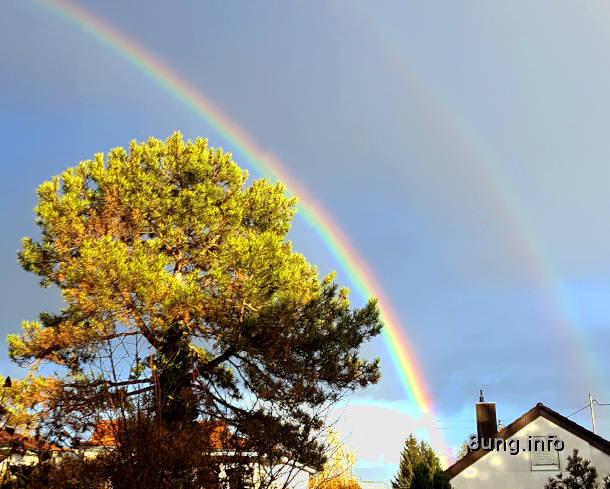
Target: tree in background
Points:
x,y
422,479
440,480
462,450
24,408
23,402
185,304
580,475
419,467
337,472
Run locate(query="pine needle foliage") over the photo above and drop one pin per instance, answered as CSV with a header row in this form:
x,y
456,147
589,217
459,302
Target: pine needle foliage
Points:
x,y
579,474
183,300
419,467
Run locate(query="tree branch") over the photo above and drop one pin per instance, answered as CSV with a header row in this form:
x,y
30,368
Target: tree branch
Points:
x,y
219,359
112,384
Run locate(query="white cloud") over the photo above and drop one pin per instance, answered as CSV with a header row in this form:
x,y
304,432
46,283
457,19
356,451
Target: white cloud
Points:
x,y
377,431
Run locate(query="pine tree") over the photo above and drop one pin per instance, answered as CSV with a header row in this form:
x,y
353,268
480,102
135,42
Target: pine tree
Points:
x,y
416,454
184,302
421,477
440,480
580,475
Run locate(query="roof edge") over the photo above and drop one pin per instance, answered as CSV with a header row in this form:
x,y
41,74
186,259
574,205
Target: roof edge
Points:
x,y
539,410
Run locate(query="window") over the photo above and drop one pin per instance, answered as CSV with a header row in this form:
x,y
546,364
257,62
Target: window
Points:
x,y
542,456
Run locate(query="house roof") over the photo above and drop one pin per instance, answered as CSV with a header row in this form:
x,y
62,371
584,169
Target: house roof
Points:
x,y
540,410
10,438
103,434
216,434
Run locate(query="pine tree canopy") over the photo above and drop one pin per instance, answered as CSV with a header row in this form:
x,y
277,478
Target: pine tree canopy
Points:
x,y
422,478
579,474
182,297
419,467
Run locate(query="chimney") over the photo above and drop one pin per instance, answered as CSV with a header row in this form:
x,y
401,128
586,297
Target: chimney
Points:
x,y
487,426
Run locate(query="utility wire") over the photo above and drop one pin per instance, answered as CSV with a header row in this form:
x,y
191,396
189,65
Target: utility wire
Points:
x,y
587,405
581,409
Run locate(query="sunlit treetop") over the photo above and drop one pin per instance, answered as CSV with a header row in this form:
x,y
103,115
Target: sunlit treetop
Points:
x,y
166,249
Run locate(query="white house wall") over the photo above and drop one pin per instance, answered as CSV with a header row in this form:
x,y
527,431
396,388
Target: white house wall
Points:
x,y
501,470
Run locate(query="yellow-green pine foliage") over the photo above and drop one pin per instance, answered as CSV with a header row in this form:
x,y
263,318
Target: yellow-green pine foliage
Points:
x,y
166,247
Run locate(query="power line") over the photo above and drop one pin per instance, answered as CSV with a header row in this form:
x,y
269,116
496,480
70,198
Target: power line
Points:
x,y
587,405
581,409
592,402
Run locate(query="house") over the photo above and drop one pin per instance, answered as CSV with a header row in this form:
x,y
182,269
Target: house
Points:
x,y
20,450
223,449
527,452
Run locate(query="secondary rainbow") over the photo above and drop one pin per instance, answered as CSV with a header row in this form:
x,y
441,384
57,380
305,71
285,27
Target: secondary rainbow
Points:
x,y
480,172
360,275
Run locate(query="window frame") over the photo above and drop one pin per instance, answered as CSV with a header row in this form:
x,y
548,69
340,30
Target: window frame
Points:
x,y
546,467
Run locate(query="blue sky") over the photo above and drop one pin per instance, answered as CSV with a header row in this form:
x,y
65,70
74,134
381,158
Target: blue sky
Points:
x,y
462,147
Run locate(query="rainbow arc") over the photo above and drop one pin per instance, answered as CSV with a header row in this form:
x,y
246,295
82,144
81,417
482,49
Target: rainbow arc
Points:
x,y
354,265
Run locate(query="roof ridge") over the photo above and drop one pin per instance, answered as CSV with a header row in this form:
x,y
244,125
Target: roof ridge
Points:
x,y
521,422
